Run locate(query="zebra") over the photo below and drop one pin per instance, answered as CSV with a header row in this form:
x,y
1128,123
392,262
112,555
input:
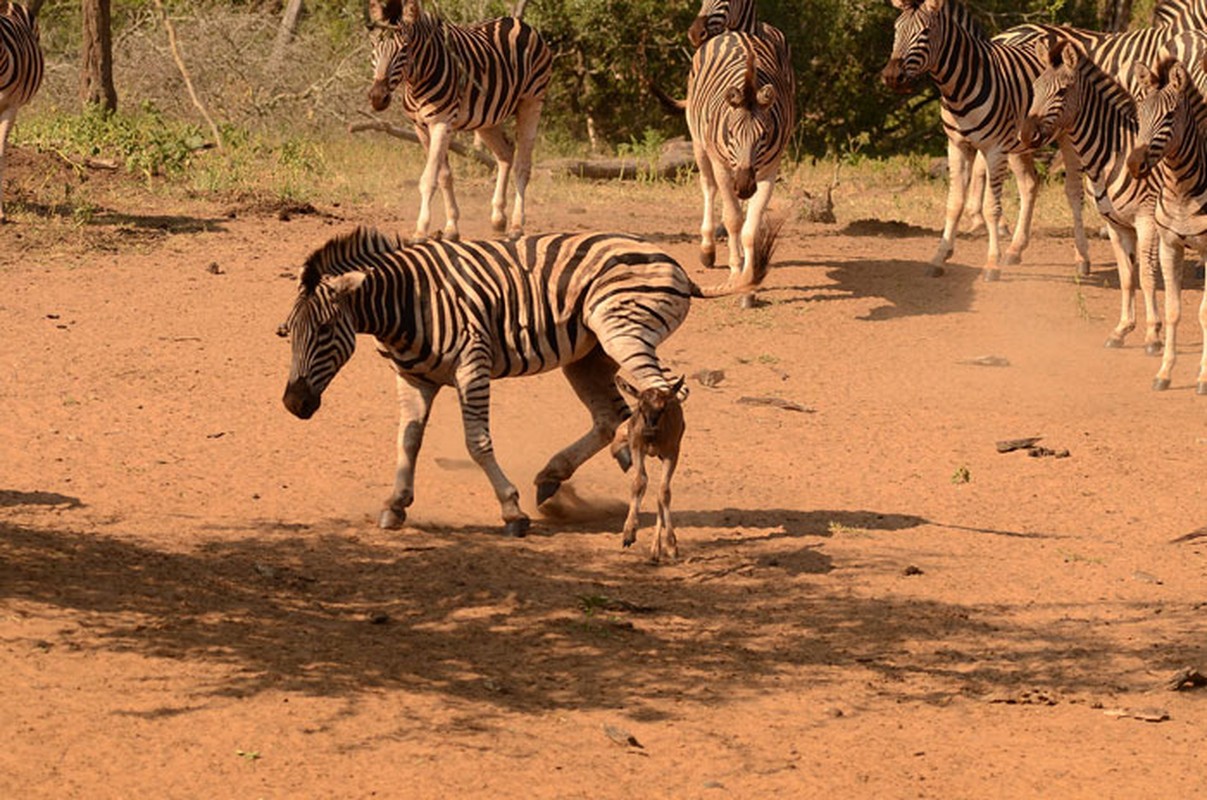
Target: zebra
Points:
x,y
463,78
718,16
1076,98
463,313
741,106
1180,15
985,86
1172,141
21,67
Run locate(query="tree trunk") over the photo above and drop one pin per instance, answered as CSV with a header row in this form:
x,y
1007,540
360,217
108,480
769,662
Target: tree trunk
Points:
x,y
96,69
289,26
1116,15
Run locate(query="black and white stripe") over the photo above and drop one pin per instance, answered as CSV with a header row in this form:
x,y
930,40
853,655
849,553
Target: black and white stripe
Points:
x,y
21,67
1171,141
985,88
718,16
1180,15
464,313
463,78
741,107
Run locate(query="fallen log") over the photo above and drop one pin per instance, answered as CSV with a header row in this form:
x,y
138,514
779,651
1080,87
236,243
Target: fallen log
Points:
x,y
676,156
409,135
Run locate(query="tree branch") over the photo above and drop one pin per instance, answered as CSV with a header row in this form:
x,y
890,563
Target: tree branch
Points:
x,y
410,136
184,72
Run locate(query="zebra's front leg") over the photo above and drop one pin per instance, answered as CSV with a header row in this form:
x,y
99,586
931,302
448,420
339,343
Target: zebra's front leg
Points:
x,y
414,407
504,152
1075,195
1123,243
1171,270
755,207
1148,261
1023,167
959,164
1201,387
593,380
731,212
473,388
437,159
708,224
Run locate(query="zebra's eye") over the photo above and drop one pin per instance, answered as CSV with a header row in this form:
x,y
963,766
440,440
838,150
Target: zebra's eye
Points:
x,y
325,328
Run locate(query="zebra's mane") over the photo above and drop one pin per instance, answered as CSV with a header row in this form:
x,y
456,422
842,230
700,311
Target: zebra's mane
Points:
x,y
345,253
963,17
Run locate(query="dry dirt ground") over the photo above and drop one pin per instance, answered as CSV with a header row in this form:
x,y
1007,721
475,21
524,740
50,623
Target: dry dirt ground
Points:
x,y
872,601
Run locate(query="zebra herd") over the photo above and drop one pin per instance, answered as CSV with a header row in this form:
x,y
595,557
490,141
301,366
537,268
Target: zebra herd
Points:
x,y
1124,108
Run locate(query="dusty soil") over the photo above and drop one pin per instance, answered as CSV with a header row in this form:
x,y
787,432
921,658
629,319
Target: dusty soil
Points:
x,y
872,601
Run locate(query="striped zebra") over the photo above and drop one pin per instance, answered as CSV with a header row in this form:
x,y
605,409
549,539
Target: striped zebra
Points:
x,y
741,106
1180,15
21,67
462,78
1172,142
463,313
718,16
985,87
1078,99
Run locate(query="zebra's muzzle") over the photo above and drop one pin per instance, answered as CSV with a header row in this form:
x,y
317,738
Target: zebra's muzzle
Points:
x,y
1138,162
300,400
744,183
1030,132
894,77
379,96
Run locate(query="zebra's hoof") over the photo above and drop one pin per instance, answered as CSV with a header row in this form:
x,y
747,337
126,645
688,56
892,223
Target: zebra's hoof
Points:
x,y
992,275
1083,269
517,528
1201,389
391,520
546,490
747,301
452,236
629,538
514,234
1012,259
1160,384
707,259
1113,342
1154,349
935,271
624,457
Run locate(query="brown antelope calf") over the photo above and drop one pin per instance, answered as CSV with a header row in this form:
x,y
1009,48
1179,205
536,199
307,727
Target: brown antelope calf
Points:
x,y
655,429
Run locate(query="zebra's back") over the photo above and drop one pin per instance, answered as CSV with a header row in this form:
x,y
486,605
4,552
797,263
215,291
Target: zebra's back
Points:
x,y
21,63
536,303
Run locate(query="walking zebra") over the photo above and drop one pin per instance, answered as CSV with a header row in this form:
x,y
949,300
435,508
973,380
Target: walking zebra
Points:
x,y
1076,98
741,106
1172,142
461,314
985,87
21,68
462,78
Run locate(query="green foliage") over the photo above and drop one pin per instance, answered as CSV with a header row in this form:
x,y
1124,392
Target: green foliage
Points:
x,y
143,141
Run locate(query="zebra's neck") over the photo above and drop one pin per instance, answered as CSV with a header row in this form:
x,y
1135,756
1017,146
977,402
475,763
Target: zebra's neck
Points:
x,y
429,62
963,70
1105,126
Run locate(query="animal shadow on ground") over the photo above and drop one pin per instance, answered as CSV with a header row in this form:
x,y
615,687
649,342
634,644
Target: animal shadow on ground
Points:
x,y
521,625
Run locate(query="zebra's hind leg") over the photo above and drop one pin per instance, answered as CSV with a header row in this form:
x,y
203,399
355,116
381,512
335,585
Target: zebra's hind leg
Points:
x,y
593,380
414,407
6,124
527,118
504,152
1023,167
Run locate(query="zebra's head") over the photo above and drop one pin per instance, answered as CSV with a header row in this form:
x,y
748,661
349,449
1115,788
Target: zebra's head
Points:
x,y
1162,113
391,19
916,42
718,16
748,127
1057,97
323,334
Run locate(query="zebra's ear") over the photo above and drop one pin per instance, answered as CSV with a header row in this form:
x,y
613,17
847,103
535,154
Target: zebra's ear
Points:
x,y
765,95
934,5
346,284
626,388
385,13
1179,78
905,5
1143,77
411,12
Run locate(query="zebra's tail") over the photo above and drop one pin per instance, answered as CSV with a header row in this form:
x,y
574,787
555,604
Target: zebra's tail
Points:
x,y
765,242
669,104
